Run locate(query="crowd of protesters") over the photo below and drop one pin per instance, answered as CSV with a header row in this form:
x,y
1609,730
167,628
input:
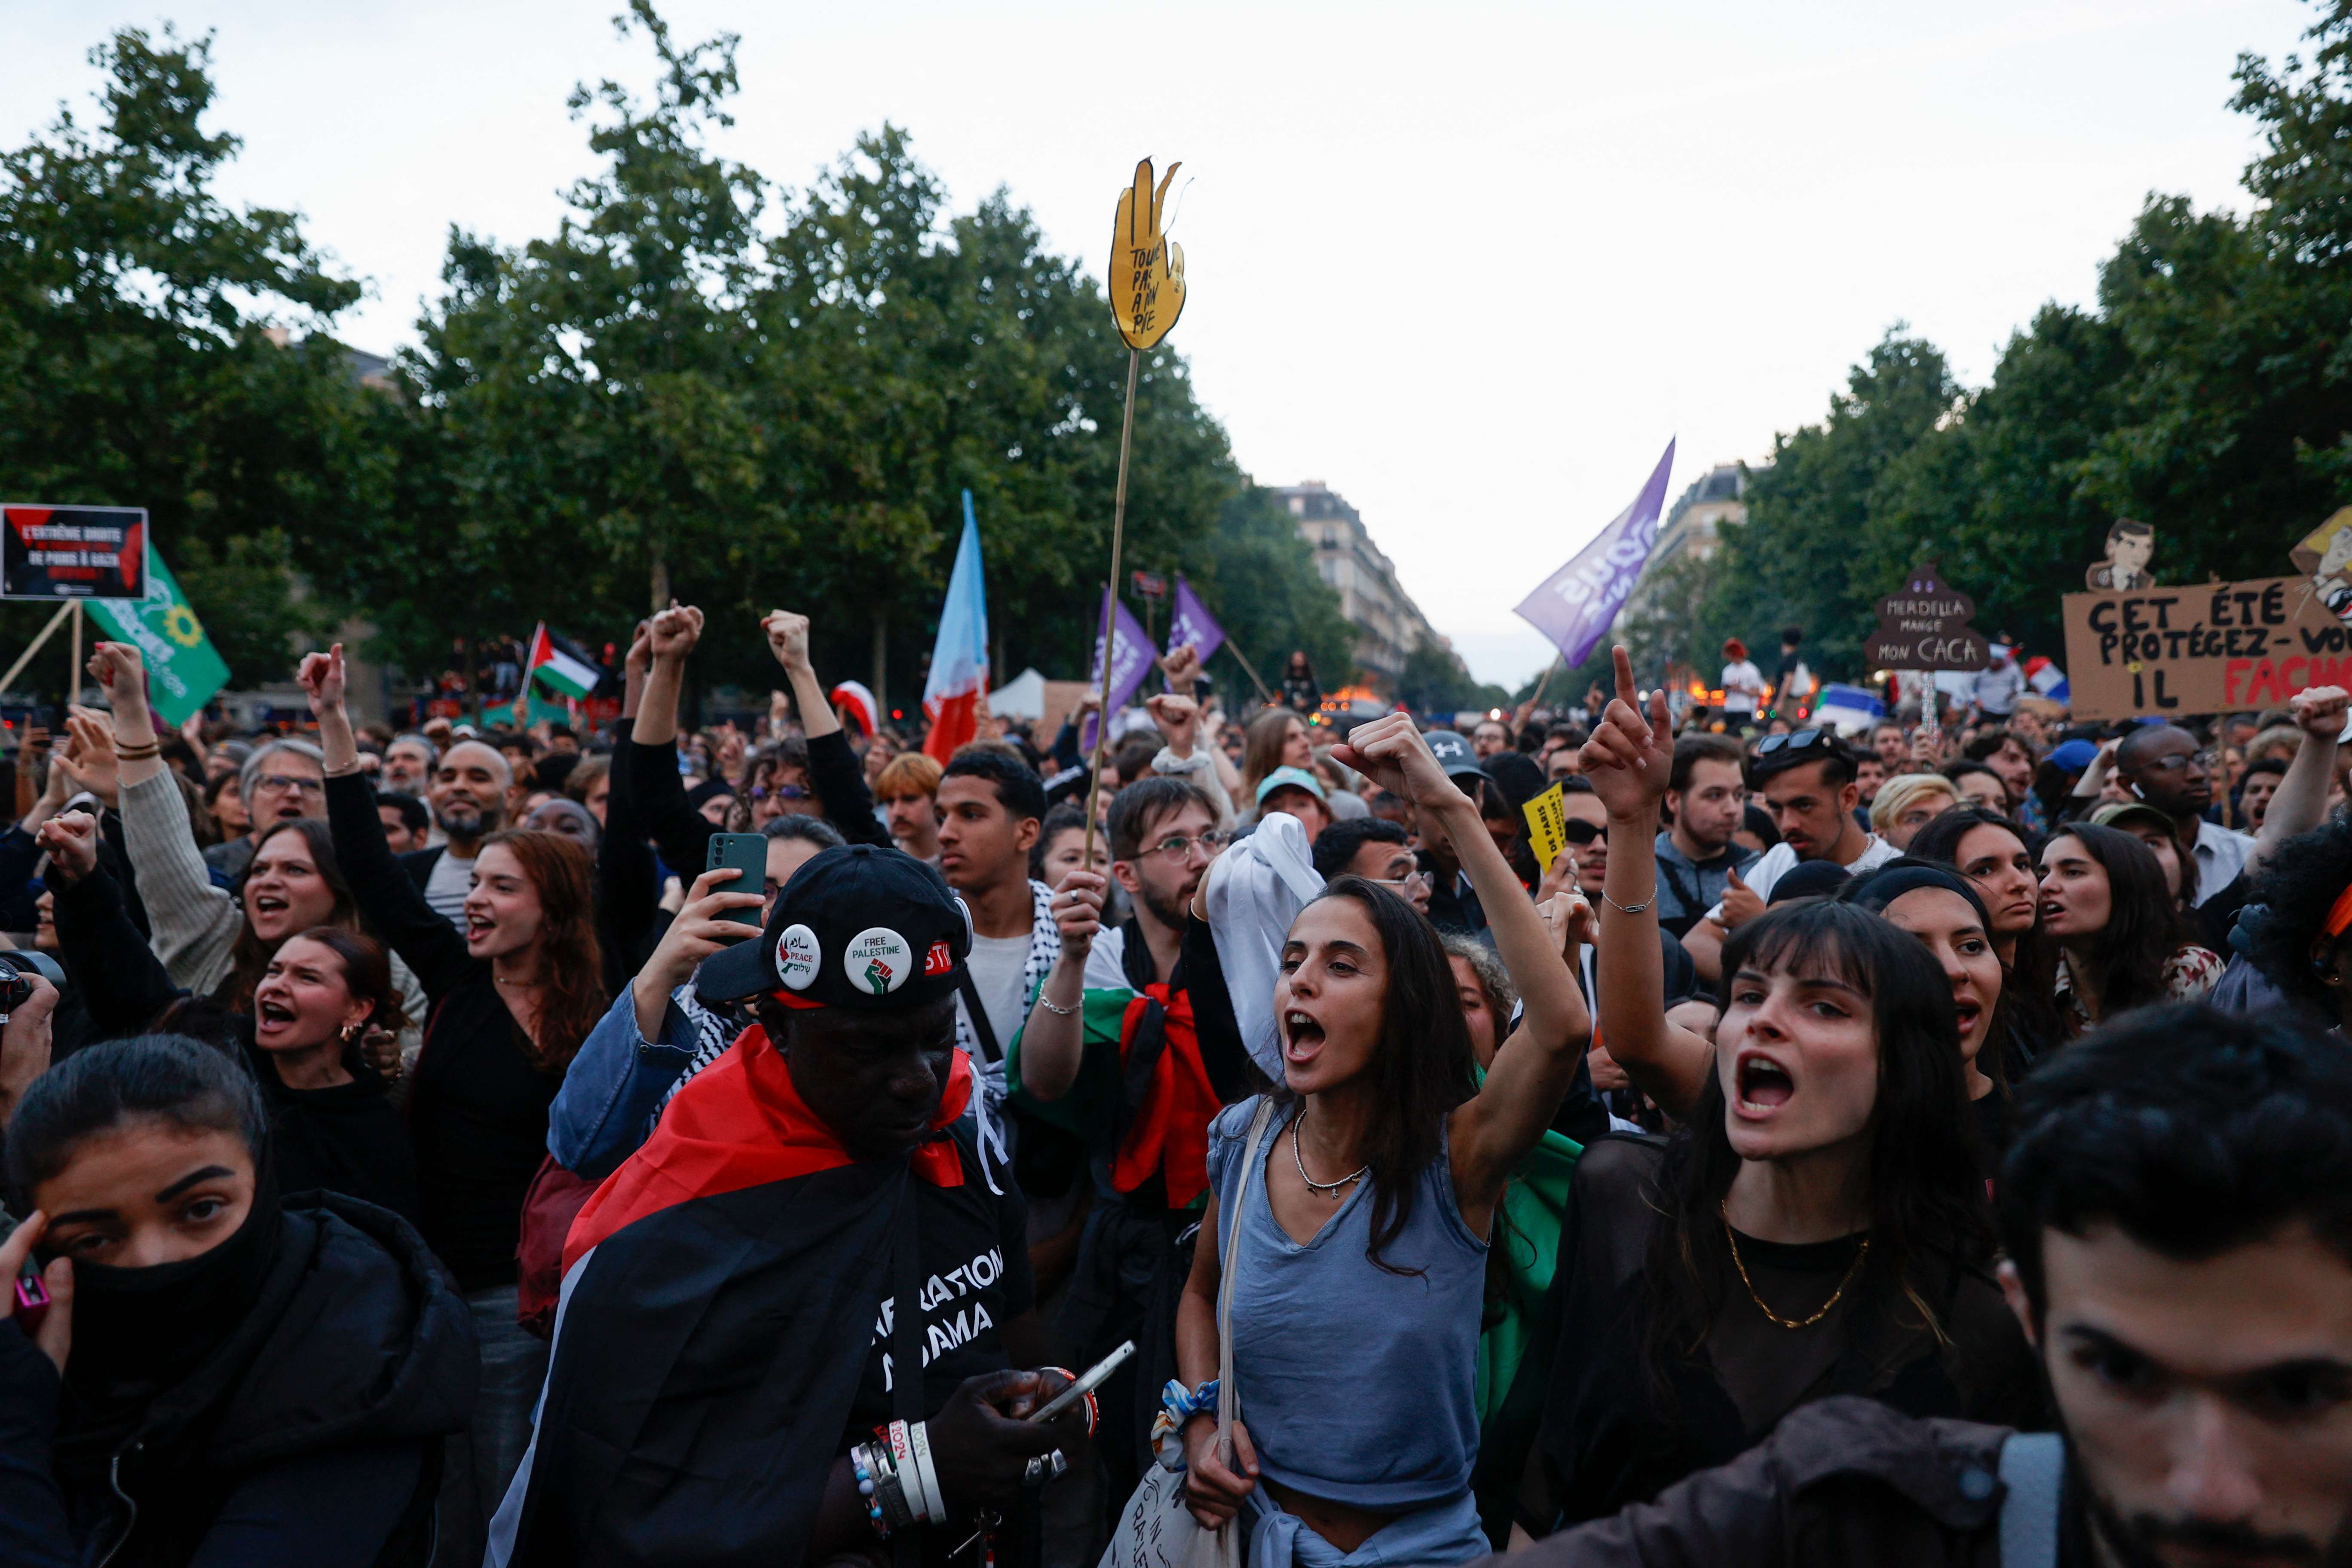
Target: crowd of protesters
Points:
x,y
1926,1144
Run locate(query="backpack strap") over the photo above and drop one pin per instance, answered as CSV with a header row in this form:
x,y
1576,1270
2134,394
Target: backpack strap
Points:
x,y
2032,1467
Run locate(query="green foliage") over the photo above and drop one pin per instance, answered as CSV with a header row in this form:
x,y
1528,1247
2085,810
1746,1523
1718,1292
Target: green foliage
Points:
x,y
2210,392
697,386
136,365
1435,681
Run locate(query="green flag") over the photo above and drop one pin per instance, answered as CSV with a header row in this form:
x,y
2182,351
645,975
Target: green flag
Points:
x,y
182,669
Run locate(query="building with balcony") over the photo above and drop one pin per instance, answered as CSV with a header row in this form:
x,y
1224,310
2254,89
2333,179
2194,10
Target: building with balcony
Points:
x,y
1389,625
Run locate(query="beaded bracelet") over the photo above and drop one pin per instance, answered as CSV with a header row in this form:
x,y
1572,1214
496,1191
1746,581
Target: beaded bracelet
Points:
x,y
1094,1410
868,1493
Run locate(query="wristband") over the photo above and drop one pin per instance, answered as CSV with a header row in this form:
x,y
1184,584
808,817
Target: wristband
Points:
x,y
926,1479
1094,1410
1051,1006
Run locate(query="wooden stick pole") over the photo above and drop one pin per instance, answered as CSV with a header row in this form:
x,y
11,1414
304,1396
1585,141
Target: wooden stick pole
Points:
x,y
1110,607
1264,695
1536,701
25,657
73,671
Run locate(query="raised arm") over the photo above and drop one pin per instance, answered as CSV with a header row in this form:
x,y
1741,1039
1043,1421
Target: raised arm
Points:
x,y
1492,1132
192,922
2301,799
122,981
678,830
835,776
393,904
1629,761
1052,1042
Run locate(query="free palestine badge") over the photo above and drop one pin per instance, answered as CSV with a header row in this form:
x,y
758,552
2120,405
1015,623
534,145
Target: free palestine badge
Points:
x,y
877,960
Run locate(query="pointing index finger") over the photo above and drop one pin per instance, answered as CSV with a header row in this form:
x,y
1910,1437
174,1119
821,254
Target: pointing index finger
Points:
x,y
1624,662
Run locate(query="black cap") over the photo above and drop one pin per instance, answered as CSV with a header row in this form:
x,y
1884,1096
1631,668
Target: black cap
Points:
x,y
858,927
1453,753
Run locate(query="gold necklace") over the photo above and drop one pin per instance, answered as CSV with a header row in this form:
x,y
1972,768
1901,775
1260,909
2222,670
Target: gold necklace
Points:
x,y
1722,1210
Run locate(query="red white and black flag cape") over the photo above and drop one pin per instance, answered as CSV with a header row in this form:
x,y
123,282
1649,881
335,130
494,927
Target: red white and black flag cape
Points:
x,y
718,1306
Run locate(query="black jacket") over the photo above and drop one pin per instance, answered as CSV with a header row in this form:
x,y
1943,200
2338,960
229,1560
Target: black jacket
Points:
x,y
358,1360
1840,1483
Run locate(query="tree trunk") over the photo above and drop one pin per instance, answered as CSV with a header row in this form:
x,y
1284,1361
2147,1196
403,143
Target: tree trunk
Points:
x,y
881,664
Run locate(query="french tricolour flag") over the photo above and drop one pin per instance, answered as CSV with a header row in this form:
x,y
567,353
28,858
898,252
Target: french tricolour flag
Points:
x,y
959,680
2047,678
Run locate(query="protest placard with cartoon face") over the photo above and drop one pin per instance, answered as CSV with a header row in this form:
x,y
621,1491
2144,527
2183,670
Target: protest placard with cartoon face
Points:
x,y
2130,546
2325,555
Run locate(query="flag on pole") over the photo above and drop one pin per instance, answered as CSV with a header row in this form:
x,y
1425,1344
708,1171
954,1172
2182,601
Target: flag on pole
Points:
x,y
183,669
959,678
1131,658
2047,679
564,673
1576,604
1193,624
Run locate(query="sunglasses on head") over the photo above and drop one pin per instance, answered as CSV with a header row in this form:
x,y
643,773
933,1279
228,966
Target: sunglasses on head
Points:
x,y
1577,831
1792,742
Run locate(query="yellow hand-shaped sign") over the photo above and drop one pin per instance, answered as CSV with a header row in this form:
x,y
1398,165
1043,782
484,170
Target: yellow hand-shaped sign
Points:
x,y
1147,267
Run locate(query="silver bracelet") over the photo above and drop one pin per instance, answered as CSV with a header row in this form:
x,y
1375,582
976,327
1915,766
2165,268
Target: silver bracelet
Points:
x,y
1051,1006
1629,909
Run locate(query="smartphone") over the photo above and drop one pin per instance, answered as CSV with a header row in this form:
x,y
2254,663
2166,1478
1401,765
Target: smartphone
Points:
x,y
747,853
1087,1381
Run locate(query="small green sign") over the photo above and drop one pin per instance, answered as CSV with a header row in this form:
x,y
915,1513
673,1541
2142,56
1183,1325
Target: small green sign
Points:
x,y
183,669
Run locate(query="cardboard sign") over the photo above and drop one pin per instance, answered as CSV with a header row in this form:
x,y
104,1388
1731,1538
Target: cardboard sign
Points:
x,y
73,552
1147,267
1546,826
2325,556
2211,648
1925,625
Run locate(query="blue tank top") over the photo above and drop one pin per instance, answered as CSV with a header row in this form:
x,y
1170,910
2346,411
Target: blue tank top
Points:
x,y
1357,1385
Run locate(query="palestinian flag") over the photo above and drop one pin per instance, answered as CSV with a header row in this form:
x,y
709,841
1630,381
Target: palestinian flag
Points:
x,y
562,671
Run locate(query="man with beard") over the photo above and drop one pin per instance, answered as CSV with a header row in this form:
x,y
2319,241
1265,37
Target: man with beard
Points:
x,y
1708,798
1807,782
2177,1210
468,801
2162,765
1132,1048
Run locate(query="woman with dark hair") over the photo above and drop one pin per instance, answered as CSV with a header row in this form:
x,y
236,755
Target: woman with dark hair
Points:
x,y
218,1379
215,941
1940,908
512,999
1363,1221
326,996
2120,935
1997,857
1816,1228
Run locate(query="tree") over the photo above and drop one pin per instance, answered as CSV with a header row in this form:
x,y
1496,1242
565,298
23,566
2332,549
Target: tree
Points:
x,y
161,348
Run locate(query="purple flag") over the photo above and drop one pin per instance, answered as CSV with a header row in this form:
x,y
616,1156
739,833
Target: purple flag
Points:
x,y
1131,659
1193,624
1576,604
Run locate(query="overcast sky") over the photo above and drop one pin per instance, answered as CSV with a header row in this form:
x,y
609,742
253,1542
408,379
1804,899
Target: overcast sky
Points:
x,y
1469,264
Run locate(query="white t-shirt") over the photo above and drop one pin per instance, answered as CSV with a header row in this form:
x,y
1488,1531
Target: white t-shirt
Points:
x,y
2221,854
996,963
446,888
1742,682
1781,859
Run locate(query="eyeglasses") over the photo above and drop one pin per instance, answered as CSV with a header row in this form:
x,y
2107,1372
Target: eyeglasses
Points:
x,y
281,785
782,792
1577,832
1409,884
1795,743
1180,847
2176,763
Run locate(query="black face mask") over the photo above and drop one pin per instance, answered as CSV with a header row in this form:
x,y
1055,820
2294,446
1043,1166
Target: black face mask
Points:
x,y
137,1331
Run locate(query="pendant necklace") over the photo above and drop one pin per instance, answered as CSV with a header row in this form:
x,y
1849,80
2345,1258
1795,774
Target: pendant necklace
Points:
x,y
1327,1189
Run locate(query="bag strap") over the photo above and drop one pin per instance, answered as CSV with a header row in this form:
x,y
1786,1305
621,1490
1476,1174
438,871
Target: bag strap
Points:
x,y
981,1027
1228,1401
2032,1466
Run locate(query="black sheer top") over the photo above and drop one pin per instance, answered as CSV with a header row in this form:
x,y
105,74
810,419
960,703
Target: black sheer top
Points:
x,y
1615,1431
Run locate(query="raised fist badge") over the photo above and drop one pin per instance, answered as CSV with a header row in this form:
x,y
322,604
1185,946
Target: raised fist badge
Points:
x,y
1147,267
